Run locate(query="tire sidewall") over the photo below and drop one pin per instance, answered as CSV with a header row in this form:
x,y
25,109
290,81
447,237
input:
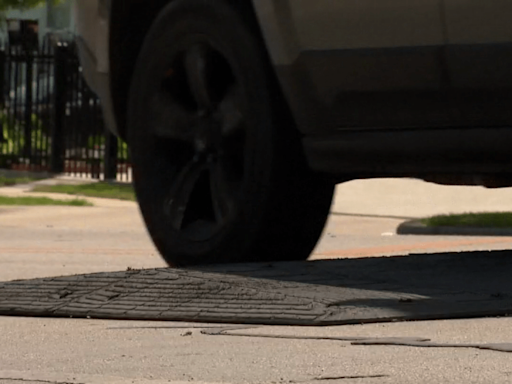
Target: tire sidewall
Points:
x,y
216,21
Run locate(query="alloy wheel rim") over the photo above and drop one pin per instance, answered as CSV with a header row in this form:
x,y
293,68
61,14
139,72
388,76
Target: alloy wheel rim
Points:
x,y
200,123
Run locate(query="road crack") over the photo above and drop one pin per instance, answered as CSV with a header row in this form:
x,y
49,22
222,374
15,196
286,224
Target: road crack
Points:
x,y
36,381
389,341
348,377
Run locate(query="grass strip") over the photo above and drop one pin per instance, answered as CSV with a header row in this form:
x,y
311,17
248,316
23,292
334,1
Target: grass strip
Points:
x,y
9,181
38,201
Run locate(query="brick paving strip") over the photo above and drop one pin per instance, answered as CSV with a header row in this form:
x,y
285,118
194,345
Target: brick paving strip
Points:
x,y
304,293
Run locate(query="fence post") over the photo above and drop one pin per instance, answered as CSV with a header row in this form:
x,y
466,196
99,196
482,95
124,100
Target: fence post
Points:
x,y
58,147
29,78
111,149
3,58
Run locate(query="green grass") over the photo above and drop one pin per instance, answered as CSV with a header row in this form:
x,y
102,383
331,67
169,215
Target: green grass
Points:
x,y
32,201
8,181
479,220
105,190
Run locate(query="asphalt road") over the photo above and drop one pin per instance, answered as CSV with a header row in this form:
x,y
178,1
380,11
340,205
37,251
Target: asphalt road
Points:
x,y
53,241
49,241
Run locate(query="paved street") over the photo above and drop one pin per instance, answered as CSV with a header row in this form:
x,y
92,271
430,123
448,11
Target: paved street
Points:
x,y
54,241
107,352
110,236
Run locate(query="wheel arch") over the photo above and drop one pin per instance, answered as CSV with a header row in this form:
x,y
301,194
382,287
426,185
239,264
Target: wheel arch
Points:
x,y
128,28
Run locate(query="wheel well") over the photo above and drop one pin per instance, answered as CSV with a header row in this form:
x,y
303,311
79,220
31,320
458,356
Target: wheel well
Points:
x,y
129,27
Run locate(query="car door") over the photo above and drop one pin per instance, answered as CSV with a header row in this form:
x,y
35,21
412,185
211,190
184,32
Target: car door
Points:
x,y
479,55
375,63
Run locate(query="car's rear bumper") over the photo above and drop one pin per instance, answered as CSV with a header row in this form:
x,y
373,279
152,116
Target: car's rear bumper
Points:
x,y
92,28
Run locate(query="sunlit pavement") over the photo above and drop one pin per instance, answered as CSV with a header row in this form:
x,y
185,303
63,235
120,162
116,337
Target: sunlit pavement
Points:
x,y
47,241
53,241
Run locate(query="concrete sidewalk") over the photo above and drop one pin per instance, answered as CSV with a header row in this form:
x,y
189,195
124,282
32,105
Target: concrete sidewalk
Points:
x,y
25,190
395,198
411,198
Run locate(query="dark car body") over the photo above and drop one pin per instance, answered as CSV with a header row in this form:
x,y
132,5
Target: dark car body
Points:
x,y
391,88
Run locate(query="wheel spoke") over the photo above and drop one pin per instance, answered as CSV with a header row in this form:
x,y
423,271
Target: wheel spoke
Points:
x,y
230,112
170,120
223,198
181,191
195,67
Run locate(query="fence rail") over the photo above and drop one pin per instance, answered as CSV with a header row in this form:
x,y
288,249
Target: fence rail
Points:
x,y
51,120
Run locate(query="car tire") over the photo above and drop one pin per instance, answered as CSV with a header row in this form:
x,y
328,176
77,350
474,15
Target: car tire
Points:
x,y
219,169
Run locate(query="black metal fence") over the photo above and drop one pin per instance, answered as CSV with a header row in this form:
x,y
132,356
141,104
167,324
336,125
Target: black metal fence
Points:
x,y
51,120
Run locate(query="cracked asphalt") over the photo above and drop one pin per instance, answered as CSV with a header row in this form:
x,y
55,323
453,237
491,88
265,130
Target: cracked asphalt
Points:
x,y
54,241
97,351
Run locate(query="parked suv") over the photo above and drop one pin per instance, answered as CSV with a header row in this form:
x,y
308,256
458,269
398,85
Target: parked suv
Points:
x,y
242,115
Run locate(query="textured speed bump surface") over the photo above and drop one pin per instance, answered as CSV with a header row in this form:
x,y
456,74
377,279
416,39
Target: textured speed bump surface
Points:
x,y
308,293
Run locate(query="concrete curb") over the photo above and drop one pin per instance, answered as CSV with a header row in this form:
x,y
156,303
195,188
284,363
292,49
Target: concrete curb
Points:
x,y
415,227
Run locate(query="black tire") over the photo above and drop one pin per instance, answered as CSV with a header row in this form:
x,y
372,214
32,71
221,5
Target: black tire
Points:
x,y
217,181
